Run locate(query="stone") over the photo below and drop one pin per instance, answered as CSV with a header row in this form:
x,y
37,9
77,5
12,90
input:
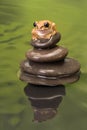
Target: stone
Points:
x,y
62,68
66,71
51,81
46,43
47,55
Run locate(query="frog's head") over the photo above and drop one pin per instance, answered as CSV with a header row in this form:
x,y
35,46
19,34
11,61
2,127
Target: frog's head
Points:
x,y
43,29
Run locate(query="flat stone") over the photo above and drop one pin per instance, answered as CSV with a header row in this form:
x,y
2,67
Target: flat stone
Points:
x,y
33,79
62,69
47,55
67,71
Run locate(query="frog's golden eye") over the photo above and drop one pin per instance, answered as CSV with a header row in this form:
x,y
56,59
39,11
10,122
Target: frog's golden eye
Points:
x,y
46,24
34,24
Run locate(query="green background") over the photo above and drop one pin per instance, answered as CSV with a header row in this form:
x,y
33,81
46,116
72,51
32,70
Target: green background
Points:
x,y
16,18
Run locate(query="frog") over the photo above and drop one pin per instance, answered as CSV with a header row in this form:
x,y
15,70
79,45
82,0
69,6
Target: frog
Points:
x,y
43,29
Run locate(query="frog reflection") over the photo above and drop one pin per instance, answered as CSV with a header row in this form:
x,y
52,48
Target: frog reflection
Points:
x,y
45,100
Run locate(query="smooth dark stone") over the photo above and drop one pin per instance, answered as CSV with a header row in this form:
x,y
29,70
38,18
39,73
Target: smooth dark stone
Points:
x,y
67,71
62,69
40,80
48,55
45,43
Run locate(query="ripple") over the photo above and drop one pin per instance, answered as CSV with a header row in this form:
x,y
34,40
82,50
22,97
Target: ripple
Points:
x,y
11,39
1,34
5,66
7,4
14,29
10,48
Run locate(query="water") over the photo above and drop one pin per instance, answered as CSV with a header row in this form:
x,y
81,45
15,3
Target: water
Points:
x,y
16,18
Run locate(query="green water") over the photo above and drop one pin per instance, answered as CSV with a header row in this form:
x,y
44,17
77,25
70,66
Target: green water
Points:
x,y
16,18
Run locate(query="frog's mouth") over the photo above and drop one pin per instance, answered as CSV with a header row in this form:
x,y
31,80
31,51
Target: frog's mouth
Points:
x,y
43,32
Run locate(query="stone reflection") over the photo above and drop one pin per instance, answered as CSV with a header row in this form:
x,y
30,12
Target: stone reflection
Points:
x,y
44,100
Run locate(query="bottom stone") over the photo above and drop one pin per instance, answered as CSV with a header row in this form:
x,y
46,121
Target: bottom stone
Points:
x,y
52,74
33,79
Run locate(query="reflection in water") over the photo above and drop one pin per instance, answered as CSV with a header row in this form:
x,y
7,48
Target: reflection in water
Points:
x,y
45,100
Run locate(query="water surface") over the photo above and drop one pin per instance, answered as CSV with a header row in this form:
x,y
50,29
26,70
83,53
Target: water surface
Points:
x,y
16,18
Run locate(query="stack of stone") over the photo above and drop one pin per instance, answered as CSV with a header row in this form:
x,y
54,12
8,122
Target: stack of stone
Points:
x,y
47,64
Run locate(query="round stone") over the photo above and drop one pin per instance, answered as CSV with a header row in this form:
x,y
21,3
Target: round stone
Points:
x,y
45,43
66,71
47,55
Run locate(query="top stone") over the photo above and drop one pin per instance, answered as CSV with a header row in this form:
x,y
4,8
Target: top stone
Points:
x,y
44,34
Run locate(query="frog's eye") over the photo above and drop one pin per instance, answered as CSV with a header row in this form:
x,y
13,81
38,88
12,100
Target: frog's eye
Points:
x,y
34,24
46,24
